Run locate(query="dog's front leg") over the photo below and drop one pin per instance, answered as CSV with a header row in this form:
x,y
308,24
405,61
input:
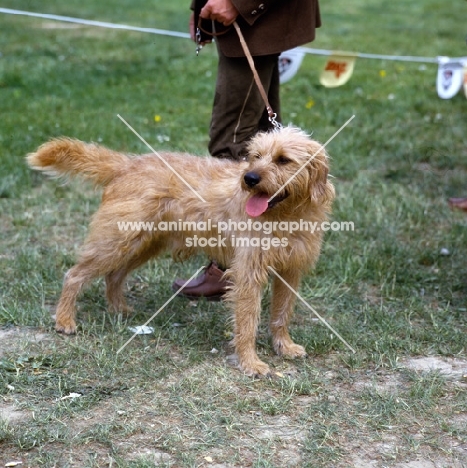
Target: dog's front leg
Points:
x,y
283,300
246,298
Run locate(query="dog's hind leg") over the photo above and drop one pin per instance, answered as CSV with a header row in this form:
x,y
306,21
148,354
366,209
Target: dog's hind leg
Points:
x,y
283,301
114,281
75,279
114,260
114,291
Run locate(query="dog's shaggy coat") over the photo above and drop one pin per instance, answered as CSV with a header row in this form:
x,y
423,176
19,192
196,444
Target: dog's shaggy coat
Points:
x,y
144,189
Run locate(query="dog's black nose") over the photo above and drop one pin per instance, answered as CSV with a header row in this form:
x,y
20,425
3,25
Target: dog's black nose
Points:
x,y
251,179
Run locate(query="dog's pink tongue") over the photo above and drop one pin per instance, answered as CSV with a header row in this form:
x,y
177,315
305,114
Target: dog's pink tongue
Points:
x,y
257,204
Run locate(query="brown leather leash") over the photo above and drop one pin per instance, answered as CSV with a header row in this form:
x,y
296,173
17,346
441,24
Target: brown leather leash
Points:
x,y
272,115
246,50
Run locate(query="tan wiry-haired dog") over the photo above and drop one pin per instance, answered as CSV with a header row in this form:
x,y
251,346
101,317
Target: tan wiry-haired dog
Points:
x,y
145,189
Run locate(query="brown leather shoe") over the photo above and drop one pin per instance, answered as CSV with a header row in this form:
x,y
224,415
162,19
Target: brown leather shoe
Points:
x,y
209,284
459,203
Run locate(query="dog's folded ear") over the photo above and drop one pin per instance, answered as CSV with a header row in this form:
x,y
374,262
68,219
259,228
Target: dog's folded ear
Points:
x,y
321,190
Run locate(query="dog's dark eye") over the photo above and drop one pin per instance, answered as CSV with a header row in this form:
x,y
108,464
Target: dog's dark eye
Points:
x,y
282,160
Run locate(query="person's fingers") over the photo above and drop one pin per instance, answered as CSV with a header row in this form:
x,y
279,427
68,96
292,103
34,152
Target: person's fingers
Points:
x,y
226,17
228,22
206,12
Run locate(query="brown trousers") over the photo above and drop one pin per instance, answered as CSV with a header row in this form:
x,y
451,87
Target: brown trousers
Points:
x,y
239,111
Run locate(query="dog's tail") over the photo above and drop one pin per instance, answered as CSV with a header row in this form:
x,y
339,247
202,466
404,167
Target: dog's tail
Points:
x,y
65,156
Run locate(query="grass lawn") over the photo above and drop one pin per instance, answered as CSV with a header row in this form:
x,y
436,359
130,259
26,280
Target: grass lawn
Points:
x,y
395,288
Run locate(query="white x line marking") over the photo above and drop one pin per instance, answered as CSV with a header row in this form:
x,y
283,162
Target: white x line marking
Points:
x,y
311,157
156,313
161,158
313,310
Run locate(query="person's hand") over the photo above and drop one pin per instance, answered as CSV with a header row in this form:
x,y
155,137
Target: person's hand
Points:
x,y
193,27
222,11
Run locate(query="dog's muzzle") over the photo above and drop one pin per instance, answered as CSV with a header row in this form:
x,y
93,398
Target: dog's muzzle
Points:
x,y
277,199
259,202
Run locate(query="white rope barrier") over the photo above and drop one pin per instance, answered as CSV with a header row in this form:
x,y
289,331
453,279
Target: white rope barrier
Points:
x,y
100,24
402,58
164,32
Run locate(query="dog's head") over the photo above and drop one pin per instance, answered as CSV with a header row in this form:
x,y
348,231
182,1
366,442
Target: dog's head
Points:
x,y
287,170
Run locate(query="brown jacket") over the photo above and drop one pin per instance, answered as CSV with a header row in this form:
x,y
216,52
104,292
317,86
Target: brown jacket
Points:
x,y
271,26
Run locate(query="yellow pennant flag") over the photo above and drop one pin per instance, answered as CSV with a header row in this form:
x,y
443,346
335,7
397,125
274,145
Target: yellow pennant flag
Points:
x,y
338,70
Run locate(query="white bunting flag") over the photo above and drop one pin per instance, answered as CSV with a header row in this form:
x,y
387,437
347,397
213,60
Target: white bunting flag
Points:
x,y
289,63
465,76
450,77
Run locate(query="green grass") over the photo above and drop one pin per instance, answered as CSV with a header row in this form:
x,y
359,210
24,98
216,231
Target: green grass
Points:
x,y
167,400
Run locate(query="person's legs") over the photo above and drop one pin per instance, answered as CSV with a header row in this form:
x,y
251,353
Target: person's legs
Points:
x,y
239,112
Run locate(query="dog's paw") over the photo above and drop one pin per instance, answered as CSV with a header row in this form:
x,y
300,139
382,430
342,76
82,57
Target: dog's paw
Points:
x,y
290,350
121,307
68,328
252,367
256,368
127,310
